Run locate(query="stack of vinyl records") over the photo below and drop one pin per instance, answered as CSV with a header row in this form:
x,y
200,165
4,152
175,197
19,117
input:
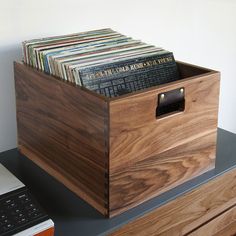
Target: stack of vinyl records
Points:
x,y
104,61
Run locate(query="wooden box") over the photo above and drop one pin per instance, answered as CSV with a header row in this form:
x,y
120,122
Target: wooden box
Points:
x,y
116,153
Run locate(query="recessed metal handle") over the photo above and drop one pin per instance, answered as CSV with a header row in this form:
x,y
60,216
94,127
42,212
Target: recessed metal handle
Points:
x,y
170,102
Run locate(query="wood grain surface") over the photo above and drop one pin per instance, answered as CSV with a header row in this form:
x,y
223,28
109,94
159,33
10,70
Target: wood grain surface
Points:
x,y
191,211
219,225
114,153
230,230
149,155
62,128
188,70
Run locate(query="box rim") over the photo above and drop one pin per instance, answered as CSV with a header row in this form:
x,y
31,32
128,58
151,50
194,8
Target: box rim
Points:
x,y
133,94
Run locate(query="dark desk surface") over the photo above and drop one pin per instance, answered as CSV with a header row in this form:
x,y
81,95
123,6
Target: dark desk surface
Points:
x,y
74,217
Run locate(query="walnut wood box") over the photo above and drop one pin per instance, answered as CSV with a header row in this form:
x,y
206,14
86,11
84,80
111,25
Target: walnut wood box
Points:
x,y
116,153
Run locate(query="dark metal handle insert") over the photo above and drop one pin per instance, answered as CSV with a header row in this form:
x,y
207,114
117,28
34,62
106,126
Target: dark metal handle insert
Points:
x,y
170,102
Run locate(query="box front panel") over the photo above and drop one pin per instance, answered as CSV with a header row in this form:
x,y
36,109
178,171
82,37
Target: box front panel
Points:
x,y
149,155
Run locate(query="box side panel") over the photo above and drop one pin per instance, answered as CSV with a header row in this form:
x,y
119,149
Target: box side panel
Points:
x,y
62,129
149,156
188,70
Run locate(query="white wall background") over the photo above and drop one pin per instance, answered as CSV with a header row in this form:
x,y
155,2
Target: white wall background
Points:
x,y
201,32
